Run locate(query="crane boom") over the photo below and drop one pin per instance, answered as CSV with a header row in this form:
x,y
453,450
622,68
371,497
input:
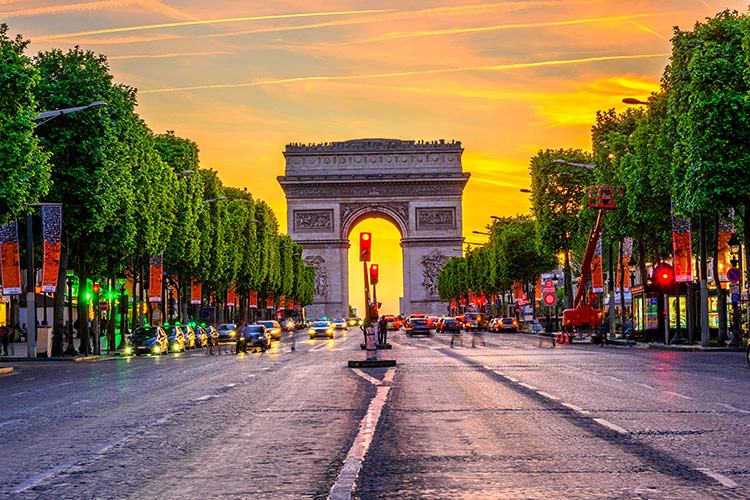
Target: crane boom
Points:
x,y
588,257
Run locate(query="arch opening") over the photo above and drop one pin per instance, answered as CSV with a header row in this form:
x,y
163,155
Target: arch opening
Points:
x,y
386,252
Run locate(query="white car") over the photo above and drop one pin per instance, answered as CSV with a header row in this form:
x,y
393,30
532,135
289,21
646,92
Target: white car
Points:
x,y
339,324
227,331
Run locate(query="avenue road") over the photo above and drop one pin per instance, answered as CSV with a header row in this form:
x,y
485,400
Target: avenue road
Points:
x,y
517,418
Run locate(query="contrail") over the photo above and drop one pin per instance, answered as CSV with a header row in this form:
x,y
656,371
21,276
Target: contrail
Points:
x,y
394,36
435,11
407,73
174,54
209,21
56,9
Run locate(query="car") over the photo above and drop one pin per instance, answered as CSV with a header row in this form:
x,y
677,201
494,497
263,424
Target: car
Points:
x,y
226,331
507,325
273,327
289,325
339,324
320,329
213,334
493,324
253,336
355,321
148,340
418,326
190,340
176,338
201,337
391,322
449,324
474,322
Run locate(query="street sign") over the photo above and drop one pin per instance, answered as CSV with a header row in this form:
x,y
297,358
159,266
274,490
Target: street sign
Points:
x,y
548,284
733,274
735,297
549,299
103,305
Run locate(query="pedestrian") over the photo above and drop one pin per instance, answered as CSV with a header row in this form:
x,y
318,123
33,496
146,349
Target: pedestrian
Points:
x,y
456,334
25,332
76,327
476,337
17,331
5,338
382,330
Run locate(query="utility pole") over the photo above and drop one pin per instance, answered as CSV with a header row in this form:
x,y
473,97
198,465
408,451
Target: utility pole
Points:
x,y
704,283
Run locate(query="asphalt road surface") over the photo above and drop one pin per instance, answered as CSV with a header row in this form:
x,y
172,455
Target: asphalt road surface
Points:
x,y
515,418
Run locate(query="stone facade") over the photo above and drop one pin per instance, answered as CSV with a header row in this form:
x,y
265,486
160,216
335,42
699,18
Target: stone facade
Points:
x,y
416,185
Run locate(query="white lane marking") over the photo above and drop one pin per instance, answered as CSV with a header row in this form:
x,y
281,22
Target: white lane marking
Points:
x,y
31,482
80,402
157,420
677,394
530,387
487,367
68,383
733,408
724,480
547,395
19,393
612,378
106,446
230,385
388,377
344,485
610,425
644,385
573,407
30,378
204,398
8,422
365,376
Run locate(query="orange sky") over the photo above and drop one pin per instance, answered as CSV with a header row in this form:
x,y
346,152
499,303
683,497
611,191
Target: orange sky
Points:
x,y
243,78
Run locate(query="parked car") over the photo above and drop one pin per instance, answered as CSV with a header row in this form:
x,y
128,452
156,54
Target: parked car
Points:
x,y
213,334
253,336
418,326
273,327
190,341
507,325
149,340
449,324
339,324
226,331
474,321
201,337
320,329
176,338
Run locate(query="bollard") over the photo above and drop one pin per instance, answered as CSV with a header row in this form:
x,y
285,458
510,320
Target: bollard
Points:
x,y
372,351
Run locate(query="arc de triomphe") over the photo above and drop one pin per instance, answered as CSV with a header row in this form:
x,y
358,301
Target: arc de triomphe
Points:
x,y
416,185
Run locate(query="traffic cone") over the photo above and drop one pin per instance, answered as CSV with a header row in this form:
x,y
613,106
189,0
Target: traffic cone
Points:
x,y
567,339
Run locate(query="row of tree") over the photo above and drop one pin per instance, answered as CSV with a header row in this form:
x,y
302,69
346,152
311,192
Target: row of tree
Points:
x,y
128,193
685,153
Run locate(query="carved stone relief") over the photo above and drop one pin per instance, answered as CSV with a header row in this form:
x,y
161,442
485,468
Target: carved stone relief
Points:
x,y
436,218
313,220
389,190
401,208
432,264
321,275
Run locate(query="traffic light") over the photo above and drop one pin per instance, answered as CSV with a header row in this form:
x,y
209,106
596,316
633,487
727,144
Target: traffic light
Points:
x,y
374,274
664,275
365,239
95,288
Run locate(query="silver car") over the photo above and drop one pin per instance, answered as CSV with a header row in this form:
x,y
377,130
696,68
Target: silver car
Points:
x,y
227,331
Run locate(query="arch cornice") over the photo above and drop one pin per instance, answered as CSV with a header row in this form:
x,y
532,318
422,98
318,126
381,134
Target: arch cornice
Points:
x,y
353,213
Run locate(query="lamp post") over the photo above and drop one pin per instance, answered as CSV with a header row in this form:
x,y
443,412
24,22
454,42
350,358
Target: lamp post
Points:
x,y
734,248
482,232
633,100
632,264
555,282
45,116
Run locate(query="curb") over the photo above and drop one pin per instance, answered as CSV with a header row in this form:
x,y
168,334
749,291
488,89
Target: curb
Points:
x,y
6,371
76,359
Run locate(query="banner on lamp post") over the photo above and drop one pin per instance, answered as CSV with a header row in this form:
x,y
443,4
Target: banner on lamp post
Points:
x,y
269,300
195,292
682,246
282,302
253,300
597,273
156,274
290,303
10,259
51,230
231,295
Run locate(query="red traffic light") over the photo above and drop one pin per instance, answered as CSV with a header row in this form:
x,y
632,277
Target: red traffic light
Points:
x,y
95,288
664,275
374,274
365,239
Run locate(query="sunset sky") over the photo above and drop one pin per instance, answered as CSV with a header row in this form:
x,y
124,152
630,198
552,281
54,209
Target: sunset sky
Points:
x,y
243,78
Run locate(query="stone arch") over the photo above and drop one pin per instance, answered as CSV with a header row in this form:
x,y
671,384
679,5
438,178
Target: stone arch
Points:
x,y
416,185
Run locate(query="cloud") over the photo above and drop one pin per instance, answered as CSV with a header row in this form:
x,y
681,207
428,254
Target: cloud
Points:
x,y
501,67
210,21
175,54
117,40
75,7
453,31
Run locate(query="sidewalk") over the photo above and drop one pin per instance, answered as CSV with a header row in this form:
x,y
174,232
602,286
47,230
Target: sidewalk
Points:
x,y
18,351
658,346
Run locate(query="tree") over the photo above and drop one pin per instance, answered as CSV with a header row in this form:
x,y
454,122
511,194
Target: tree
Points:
x,y
24,166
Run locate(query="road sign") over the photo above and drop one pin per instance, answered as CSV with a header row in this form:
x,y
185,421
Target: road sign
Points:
x,y
103,305
733,274
735,297
548,284
549,299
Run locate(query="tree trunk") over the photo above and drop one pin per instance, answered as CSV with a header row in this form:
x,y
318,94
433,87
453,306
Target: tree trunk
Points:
x,y
721,299
141,291
621,267
568,281
59,301
746,238
690,302
134,310
111,292
83,310
642,259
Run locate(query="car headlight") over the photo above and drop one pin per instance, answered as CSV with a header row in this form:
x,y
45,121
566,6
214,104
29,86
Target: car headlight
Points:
x,y
311,331
157,349
329,330
232,334
128,350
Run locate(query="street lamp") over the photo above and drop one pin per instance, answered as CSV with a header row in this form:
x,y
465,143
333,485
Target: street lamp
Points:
x,y
215,199
734,248
184,172
524,190
584,165
30,278
482,232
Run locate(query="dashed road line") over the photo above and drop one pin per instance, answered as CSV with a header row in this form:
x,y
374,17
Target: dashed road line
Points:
x,y
610,425
207,397
573,407
548,396
733,408
365,376
106,446
19,393
529,387
31,482
8,422
677,394
644,385
722,479
68,383
80,402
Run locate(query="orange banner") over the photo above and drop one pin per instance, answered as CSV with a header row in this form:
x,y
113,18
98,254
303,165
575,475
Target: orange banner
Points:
x,y
51,228
231,295
10,259
538,288
155,278
725,255
597,275
195,291
290,303
517,291
282,302
269,300
253,300
682,245
623,272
